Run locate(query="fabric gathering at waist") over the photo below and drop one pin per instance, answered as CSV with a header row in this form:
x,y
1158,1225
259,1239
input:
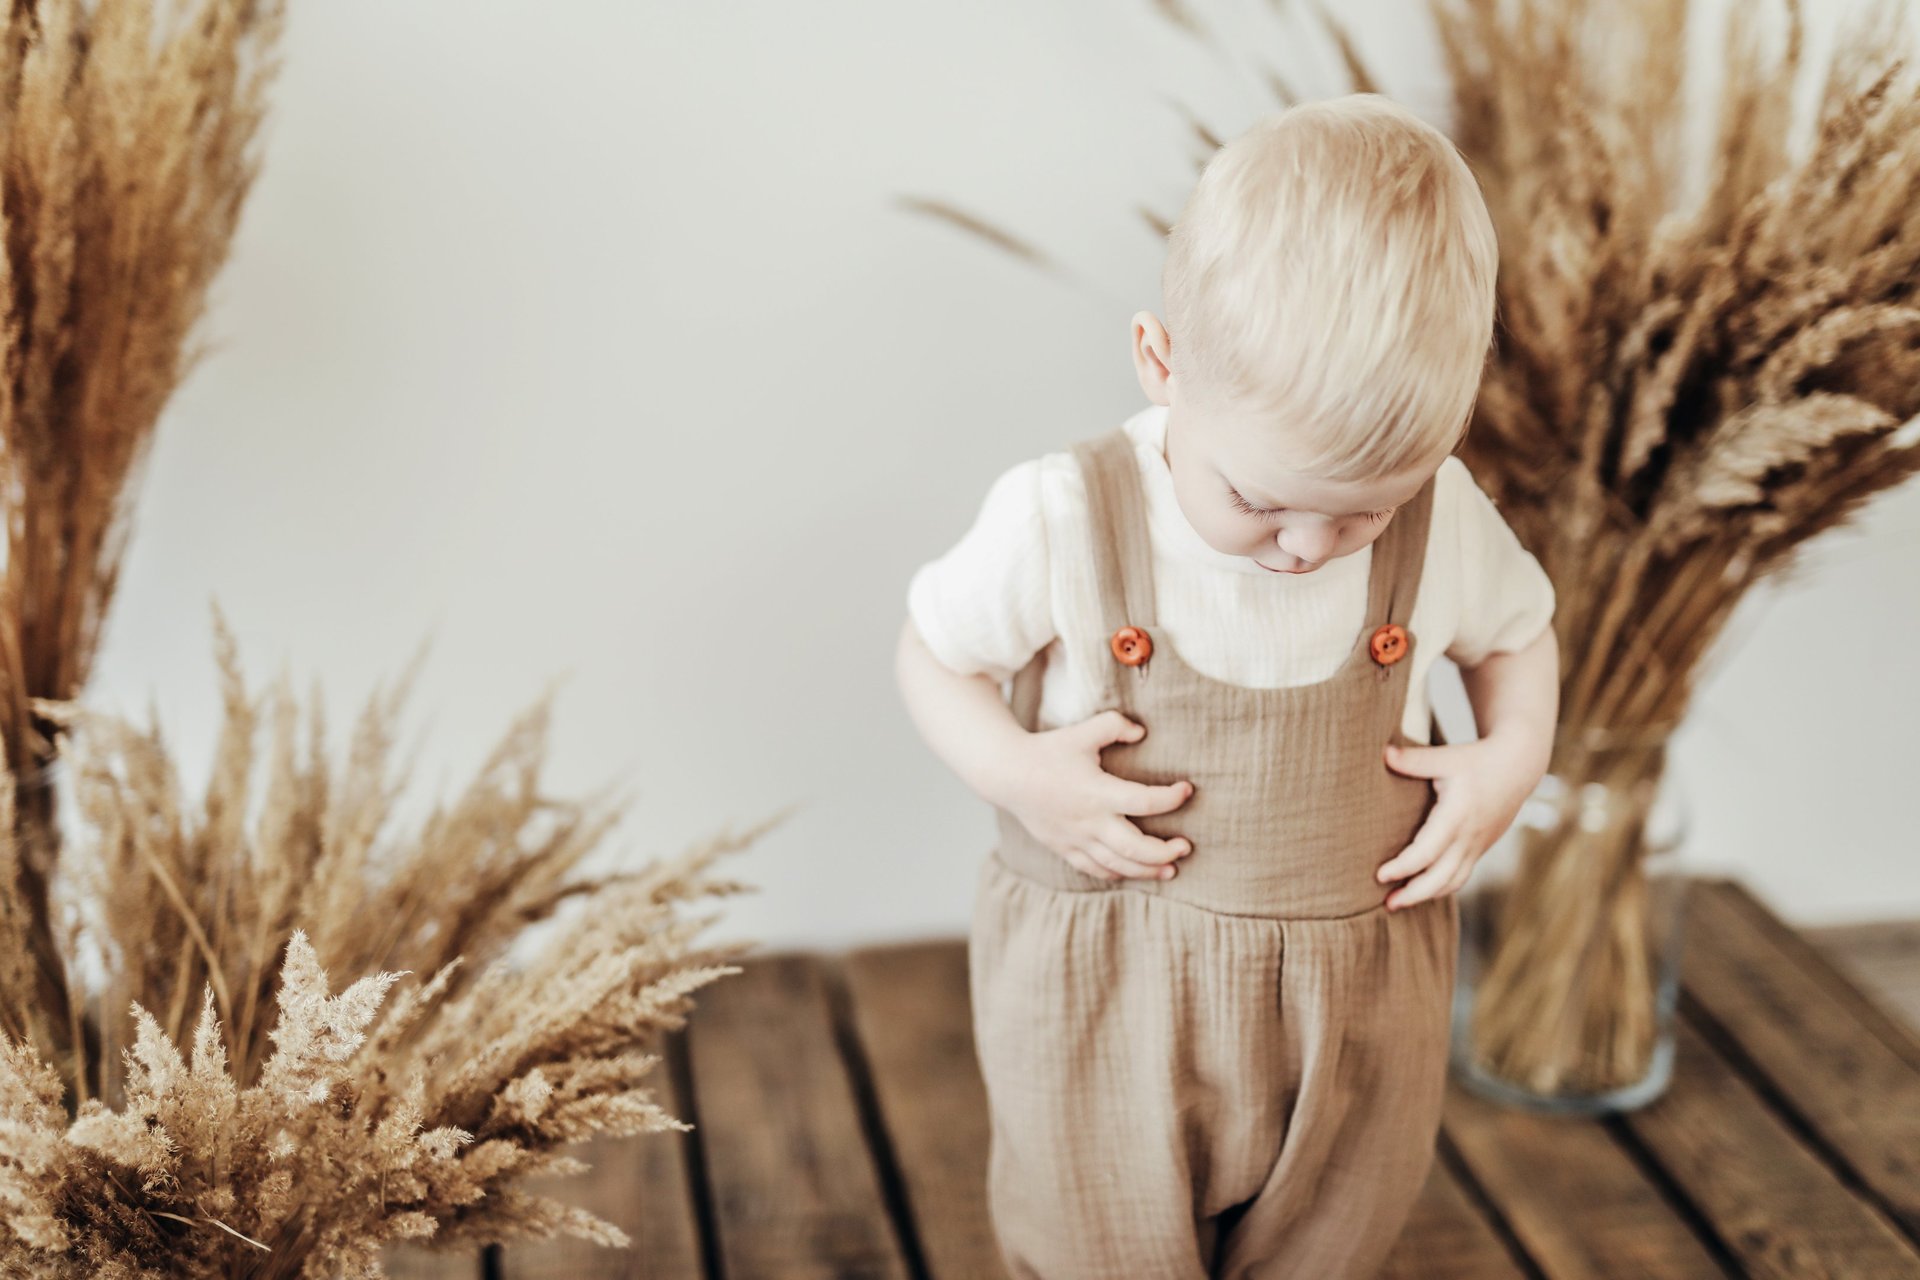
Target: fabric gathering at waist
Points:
x,y
1237,882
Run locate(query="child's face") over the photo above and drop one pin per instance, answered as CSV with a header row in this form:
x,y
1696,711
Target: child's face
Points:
x,y
1242,498
1238,489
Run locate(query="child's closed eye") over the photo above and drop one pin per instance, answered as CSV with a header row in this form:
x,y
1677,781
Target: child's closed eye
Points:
x,y
1243,505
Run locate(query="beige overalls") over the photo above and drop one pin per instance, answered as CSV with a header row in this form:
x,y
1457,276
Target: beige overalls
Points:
x,y
1236,1072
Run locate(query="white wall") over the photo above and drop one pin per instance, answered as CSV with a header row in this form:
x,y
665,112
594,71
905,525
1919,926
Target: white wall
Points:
x,y
587,337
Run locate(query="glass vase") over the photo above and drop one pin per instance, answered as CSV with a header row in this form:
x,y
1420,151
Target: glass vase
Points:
x,y
1571,930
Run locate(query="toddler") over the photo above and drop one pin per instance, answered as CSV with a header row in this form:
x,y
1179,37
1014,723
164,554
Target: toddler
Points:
x,y
1213,949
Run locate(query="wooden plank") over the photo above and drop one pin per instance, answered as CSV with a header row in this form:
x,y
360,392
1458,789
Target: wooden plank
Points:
x,y
792,1185
1773,1203
1873,1014
1446,1238
909,1011
1881,956
640,1184
1574,1199
1847,1069
1811,961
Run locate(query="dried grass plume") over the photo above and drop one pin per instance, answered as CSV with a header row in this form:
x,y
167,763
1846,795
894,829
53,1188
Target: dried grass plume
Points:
x,y
256,1121
127,133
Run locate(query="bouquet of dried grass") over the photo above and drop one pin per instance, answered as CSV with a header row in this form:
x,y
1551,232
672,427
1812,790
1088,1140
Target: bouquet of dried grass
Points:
x,y
289,1130
125,160
1678,399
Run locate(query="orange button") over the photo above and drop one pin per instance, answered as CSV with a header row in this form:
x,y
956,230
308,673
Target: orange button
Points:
x,y
1388,643
1132,645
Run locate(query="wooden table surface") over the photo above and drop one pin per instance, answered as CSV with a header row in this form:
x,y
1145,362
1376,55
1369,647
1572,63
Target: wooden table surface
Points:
x,y
840,1131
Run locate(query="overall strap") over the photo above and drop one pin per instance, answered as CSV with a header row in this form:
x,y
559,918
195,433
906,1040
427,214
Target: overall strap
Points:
x,y
1399,555
1122,557
1399,586
1117,530
1122,566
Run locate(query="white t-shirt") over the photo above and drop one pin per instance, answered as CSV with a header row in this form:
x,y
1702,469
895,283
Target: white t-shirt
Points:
x,y
1022,578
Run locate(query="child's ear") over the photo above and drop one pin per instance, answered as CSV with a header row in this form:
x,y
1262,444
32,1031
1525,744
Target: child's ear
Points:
x,y
1152,357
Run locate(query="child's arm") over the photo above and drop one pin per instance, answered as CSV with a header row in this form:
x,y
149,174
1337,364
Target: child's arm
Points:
x,y
963,719
1516,702
1479,785
1051,781
1513,684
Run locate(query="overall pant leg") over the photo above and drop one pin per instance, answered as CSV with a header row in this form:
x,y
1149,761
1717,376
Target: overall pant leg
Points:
x,y
1120,1041
1367,1006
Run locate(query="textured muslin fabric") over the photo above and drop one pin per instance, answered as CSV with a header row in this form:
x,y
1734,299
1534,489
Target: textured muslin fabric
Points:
x,y
1236,1072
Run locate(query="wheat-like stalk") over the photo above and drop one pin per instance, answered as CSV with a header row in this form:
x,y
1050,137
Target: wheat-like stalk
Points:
x,y
212,1107
126,155
256,1123
1680,399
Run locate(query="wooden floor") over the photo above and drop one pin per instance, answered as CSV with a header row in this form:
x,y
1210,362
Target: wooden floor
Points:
x,y
840,1131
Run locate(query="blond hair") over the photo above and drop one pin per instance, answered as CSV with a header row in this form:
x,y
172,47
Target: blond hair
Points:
x,y
1334,269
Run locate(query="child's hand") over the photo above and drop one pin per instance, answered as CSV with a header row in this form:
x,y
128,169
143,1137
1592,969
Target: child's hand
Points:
x,y
1077,809
1480,787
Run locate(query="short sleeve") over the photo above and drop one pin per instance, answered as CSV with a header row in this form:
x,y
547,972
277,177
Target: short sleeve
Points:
x,y
1506,598
985,606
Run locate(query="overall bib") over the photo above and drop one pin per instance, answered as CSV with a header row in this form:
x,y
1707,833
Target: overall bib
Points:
x,y
1236,1072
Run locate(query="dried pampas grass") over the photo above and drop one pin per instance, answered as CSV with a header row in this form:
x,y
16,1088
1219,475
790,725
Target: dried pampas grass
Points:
x,y
126,135
258,1122
210,1105
1680,399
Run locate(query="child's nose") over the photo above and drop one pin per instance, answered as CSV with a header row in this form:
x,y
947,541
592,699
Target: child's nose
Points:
x,y
1307,544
